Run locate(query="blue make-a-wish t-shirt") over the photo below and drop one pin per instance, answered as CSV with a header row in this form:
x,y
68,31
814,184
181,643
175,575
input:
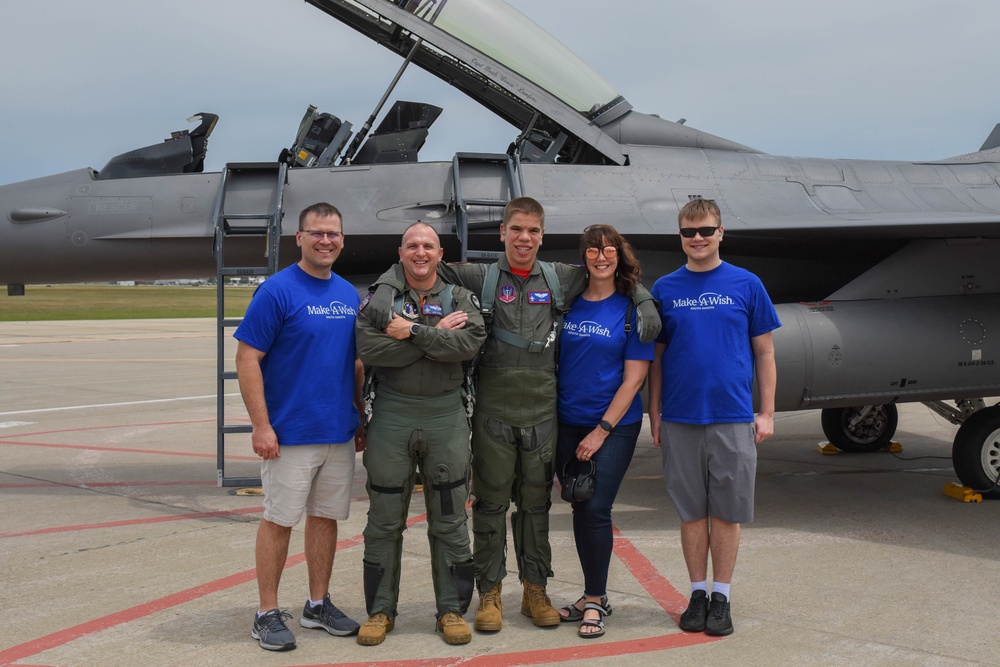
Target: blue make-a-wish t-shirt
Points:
x,y
709,318
305,327
593,347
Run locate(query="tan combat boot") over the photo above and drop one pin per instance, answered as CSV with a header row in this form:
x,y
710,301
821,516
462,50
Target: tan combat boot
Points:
x,y
374,629
489,616
536,604
454,628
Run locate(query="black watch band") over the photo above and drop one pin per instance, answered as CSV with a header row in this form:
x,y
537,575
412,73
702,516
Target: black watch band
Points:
x,y
606,425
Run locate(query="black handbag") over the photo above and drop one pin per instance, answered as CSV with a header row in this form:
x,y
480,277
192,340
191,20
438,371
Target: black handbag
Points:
x,y
578,484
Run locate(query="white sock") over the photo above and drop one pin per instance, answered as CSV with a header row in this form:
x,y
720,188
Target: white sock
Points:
x,y
313,603
719,587
699,586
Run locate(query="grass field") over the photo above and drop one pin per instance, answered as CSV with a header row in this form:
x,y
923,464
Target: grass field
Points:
x,y
118,302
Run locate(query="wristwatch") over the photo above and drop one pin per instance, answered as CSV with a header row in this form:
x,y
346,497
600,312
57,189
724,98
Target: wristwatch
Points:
x,y
414,329
606,425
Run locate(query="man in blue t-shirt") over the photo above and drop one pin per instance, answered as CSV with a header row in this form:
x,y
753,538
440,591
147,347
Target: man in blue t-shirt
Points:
x,y
301,382
717,324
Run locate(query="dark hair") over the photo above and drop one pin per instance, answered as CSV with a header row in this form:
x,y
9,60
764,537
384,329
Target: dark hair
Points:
x,y
696,209
629,273
322,210
525,205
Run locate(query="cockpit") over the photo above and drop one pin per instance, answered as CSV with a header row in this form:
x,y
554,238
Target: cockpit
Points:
x,y
565,112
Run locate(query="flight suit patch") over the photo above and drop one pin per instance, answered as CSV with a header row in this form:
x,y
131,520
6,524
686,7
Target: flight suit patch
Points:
x,y
410,310
539,297
507,294
365,301
433,309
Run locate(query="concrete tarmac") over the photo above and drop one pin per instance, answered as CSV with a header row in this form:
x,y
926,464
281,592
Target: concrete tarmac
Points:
x,y
117,547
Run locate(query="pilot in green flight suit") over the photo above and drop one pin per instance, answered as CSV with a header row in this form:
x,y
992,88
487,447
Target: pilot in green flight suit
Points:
x,y
419,418
514,424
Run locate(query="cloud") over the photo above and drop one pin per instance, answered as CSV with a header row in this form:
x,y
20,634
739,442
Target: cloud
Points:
x,y
891,79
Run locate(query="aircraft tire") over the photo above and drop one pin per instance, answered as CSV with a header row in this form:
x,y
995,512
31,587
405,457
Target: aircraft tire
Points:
x,y
976,452
872,434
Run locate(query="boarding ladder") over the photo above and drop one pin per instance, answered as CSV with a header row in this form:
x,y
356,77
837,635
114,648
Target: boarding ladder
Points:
x,y
248,204
478,164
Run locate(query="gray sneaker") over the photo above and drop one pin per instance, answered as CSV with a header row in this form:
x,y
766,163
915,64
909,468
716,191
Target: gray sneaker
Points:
x,y
271,632
329,618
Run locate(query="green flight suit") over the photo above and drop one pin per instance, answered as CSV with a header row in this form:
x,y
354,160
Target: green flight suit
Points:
x,y
419,418
514,425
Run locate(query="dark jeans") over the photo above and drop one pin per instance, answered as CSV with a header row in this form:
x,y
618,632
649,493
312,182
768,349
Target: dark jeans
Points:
x,y
592,519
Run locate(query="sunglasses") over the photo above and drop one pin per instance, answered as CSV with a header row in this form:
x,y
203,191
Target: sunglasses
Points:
x,y
610,252
706,232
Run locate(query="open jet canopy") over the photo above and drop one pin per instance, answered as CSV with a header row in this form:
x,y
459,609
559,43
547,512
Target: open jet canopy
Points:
x,y
566,111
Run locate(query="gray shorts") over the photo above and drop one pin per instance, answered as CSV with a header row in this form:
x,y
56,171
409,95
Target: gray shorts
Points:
x,y
308,479
710,469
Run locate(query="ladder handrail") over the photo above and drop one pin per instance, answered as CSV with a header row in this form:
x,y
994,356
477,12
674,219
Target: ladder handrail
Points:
x,y
515,185
274,217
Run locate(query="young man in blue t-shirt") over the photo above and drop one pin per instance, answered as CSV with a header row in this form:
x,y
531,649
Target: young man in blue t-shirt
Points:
x,y
717,324
301,382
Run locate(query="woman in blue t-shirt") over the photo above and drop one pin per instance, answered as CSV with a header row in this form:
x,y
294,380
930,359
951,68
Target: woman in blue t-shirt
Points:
x,y
602,367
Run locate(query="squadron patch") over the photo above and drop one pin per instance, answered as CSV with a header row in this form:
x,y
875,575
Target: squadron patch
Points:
x,y
365,301
433,309
410,310
507,294
540,297
475,301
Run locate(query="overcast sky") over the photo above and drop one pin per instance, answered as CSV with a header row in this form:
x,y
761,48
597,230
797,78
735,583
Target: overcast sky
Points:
x,y
881,79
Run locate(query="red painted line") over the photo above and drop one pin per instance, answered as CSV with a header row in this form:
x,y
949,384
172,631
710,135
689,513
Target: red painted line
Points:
x,y
36,646
133,522
658,586
108,428
668,597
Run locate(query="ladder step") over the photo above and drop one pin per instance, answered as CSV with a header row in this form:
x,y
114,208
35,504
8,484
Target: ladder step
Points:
x,y
485,202
482,157
263,217
239,481
238,429
229,323
484,254
245,230
229,375
484,225
245,271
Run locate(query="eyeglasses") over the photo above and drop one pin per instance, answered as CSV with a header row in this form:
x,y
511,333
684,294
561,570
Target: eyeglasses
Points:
x,y
610,252
706,232
319,236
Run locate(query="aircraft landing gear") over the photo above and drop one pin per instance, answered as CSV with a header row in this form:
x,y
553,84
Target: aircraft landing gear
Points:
x,y
866,428
976,452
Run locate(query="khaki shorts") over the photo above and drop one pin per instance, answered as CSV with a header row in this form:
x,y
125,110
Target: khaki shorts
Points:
x,y
710,470
308,479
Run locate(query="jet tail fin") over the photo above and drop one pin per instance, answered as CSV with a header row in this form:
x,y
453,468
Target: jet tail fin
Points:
x,y
992,141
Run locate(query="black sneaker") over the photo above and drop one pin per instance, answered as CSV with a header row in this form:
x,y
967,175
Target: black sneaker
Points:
x,y
328,617
271,632
719,622
693,618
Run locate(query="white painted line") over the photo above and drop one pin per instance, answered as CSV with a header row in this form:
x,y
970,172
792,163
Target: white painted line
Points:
x,y
13,424
113,405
